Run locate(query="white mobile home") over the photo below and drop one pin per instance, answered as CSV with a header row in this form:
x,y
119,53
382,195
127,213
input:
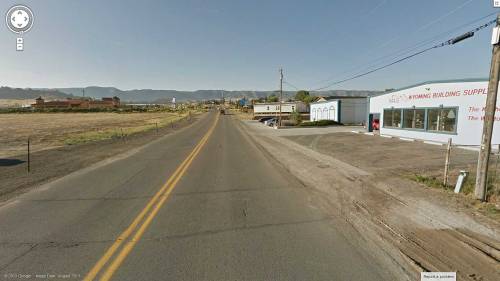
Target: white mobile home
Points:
x,y
347,110
273,108
435,111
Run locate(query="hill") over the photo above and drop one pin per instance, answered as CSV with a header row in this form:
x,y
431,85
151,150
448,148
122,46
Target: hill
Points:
x,y
161,96
155,96
24,94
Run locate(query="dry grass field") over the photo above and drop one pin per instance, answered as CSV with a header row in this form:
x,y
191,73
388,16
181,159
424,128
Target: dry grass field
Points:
x,y
6,103
50,130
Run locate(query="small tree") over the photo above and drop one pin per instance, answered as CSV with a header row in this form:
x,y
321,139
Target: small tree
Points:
x,y
272,98
309,99
302,95
296,117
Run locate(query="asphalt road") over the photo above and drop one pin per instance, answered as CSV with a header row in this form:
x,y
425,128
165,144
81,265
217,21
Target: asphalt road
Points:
x,y
228,213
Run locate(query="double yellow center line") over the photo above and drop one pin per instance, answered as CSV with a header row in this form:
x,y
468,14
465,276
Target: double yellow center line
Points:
x,y
145,217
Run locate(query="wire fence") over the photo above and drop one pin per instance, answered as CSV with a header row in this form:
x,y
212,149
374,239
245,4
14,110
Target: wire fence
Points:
x,y
460,161
19,152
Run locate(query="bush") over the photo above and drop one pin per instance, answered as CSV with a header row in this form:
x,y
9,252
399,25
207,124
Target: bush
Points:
x,y
296,118
321,123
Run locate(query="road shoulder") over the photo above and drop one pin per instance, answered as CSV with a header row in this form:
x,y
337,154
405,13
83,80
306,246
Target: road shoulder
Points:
x,y
404,231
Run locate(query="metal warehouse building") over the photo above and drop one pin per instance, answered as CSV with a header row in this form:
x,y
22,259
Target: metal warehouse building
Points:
x,y
435,111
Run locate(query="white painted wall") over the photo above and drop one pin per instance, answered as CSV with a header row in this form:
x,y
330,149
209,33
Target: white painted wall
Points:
x,y
469,97
327,110
347,111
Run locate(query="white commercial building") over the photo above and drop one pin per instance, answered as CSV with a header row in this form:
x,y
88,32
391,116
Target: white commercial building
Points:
x,y
273,108
346,110
435,111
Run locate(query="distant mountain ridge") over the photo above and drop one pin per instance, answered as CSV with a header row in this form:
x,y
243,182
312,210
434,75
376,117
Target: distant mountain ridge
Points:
x,y
22,94
155,96
160,96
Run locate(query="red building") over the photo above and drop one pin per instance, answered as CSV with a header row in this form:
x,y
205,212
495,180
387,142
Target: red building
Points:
x,y
77,103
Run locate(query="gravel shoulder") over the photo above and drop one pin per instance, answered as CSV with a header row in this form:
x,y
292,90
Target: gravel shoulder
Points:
x,y
409,227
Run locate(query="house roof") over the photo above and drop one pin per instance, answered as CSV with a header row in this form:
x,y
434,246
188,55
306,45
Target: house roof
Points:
x,y
335,98
273,103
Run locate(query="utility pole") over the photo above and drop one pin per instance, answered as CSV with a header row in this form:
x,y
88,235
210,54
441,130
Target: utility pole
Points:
x,y
489,118
281,95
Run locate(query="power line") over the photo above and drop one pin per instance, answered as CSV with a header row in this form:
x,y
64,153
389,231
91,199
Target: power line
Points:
x,y
408,49
435,38
429,24
291,85
448,42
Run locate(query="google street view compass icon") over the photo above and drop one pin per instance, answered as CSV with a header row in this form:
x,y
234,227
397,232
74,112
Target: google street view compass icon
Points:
x,y
19,19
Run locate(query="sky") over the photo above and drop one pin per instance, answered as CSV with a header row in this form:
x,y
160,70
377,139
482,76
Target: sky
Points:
x,y
241,44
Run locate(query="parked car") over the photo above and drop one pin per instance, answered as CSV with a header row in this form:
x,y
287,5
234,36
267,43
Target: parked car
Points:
x,y
262,120
376,124
271,122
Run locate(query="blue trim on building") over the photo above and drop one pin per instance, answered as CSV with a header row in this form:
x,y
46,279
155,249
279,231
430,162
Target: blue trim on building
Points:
x,y
339,109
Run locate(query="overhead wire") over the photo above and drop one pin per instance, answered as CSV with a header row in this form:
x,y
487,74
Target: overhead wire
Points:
x,y
407,49
445,43
291,85
429,24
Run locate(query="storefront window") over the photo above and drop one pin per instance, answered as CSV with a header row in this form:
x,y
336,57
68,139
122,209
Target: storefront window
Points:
x,y
448,120
413,118
387,117
392,118
433,119
442,119
438,119
396,118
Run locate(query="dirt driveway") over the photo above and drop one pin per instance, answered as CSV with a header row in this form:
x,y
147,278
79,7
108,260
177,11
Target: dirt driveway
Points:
x,y
387,155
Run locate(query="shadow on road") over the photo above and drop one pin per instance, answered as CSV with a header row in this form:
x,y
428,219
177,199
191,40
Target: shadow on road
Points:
x,y
10,162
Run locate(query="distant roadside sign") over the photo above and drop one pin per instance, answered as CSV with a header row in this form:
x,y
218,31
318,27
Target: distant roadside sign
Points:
x,y
496,3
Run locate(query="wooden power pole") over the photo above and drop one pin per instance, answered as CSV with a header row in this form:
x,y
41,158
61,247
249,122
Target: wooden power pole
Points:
x,y
489,119
281,95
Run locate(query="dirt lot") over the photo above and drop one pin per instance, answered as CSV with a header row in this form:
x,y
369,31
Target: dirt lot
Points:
x,y
51,130
54,159
417,161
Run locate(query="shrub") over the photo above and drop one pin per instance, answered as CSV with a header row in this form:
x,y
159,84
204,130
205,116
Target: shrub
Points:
x,y
321,123
296,118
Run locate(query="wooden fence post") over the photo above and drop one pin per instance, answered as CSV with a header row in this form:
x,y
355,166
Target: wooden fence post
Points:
x,y
29,157
447,163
